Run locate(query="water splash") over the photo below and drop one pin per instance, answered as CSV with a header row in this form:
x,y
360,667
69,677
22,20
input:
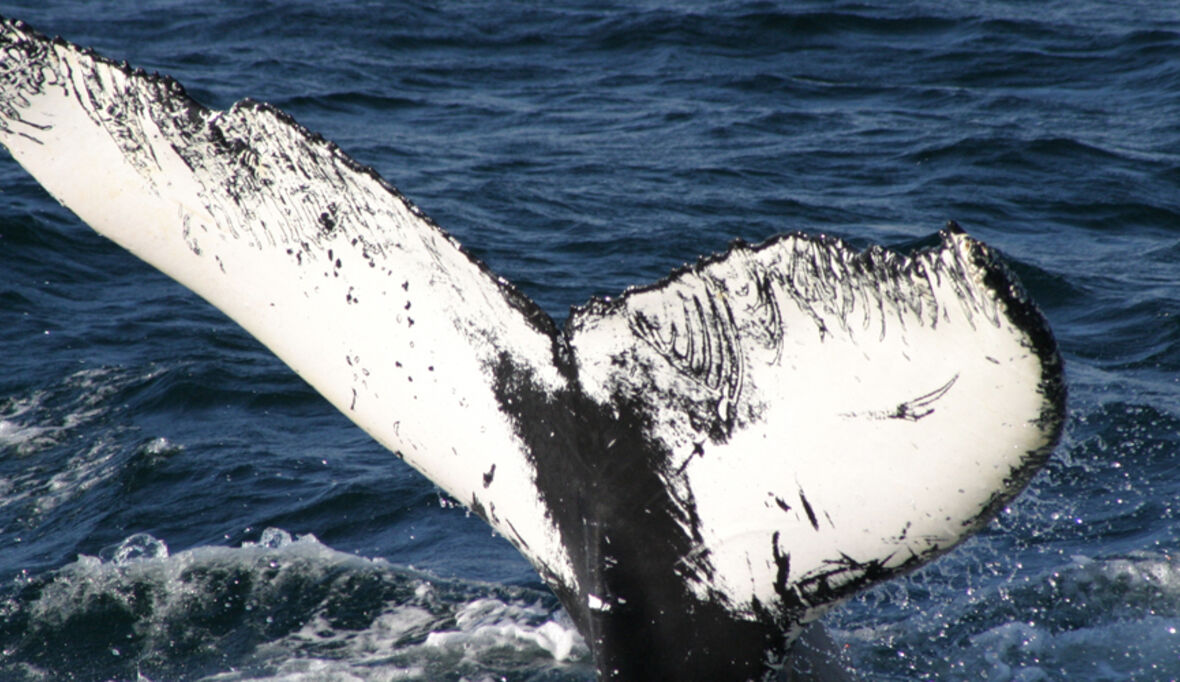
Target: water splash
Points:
x,y
280,608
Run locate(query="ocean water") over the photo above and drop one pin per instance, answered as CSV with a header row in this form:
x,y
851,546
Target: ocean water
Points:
x,y
176,504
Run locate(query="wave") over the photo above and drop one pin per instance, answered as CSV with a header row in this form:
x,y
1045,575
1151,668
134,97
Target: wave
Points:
x,y
1081,620
280,608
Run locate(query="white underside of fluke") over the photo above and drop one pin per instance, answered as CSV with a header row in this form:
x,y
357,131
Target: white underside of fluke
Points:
x,y
338,275
828,417
872,419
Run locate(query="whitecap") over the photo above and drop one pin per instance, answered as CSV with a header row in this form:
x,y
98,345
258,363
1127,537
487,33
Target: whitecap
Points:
x,y
284,607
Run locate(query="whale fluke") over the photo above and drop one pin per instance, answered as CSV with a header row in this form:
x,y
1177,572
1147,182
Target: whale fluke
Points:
x,y
698,467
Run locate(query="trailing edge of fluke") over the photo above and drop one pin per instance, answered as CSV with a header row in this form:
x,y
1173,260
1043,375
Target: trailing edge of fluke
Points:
x,y
697,467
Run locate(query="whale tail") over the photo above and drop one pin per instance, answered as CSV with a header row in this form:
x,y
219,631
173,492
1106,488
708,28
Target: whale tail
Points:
x,y
698,467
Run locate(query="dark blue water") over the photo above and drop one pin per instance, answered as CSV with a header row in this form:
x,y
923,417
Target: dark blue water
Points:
x,y
147,444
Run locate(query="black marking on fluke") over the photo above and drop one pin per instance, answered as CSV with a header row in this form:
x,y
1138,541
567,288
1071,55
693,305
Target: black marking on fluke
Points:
x,y
922,406
809,511
634,542
627,540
